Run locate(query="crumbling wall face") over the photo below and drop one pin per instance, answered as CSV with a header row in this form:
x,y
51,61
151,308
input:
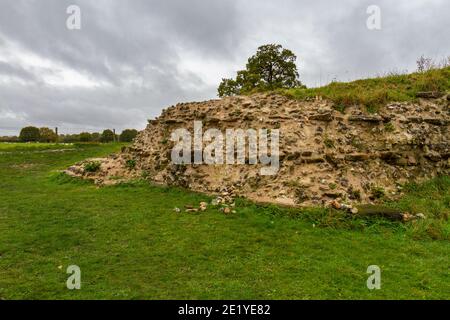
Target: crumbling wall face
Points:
x,y
324,154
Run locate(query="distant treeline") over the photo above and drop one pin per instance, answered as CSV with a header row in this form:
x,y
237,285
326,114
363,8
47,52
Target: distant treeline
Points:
x,y
34,134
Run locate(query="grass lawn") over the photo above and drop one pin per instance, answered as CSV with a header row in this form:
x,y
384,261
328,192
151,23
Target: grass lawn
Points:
x,y
33,146
130,244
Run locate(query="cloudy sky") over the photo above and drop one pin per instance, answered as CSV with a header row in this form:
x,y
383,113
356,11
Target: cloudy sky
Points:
x,y
132,58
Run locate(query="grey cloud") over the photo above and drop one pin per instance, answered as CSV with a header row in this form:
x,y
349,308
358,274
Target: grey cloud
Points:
x,y
135,51
17,72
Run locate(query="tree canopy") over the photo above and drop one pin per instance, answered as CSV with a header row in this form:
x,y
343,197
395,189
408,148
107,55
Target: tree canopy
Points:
x,y
107,136
85,137
29,134
47,135
272,67
128,135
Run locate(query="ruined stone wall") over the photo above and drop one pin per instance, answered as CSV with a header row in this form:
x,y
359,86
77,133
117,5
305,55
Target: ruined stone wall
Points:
x,y
324,154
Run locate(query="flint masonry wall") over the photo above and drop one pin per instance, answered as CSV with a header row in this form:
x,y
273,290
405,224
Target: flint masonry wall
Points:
x,y
324,154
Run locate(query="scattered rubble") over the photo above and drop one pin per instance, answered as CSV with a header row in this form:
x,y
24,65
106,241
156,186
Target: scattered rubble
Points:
x,y
203,206
411,217
343,206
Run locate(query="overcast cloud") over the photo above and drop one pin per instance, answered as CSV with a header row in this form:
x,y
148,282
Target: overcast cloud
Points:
x,y
133,58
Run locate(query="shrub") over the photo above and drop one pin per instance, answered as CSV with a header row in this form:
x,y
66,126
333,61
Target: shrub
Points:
x,y
355,194
145,174
339,107
378,192
328,143
425,64
92,166
389,127
130,164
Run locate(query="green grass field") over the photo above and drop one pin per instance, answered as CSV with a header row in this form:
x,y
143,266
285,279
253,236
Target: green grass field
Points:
x,y
28,147
130,244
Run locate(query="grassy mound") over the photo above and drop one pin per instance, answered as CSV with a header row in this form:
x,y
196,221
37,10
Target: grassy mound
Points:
x,y
376,92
